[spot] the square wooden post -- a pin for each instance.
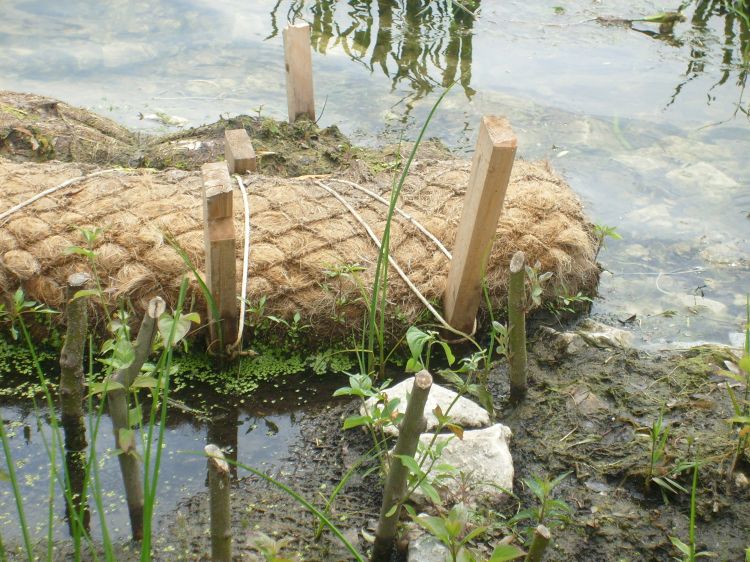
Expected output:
(221, 265)
(299, 77)
(483, 202)
(238, 151)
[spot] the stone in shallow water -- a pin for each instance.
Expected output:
(705, 176)
(484, 466)
(464, 412)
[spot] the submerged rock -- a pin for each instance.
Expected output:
(464, 412)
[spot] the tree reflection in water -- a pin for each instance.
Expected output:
(733, 18)
(425, 44)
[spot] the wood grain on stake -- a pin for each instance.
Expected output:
(220, 255)
(483, 202)
(239, 151)
(299, 80)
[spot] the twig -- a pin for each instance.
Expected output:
(5, 214)
(392, 261)
(245, 263)
(404, 214)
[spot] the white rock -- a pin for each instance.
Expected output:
(426, 548)
(464, 412)
(601, 335)
(483, 463)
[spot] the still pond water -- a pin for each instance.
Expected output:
(648, 125)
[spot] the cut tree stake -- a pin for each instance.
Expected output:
(239, 152)
(221, 265)
(117, 400)
(71, 401)
(221, 511)
(517, 327)
(539, 544)
(490, 172)
(412, 426)
(299, 77)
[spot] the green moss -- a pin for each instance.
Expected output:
(699, 362)
(245, 376)
(18, 376)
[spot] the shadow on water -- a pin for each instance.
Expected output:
(425, 45)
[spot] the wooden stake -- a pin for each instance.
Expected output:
(71, 401)
(299, 78)
(411, 428)
(539, 544)
(238, 151)
(119, 411)
(221, 509)
(490, 172)
(218, 227)
(517, 328)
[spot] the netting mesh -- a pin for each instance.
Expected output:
(304, 243)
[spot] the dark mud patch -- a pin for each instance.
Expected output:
(316, 464)
(590, 413)
(586, 413)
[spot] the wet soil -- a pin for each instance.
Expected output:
(587, 413)
(38, 128)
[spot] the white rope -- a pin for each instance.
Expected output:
(4, 215)
(245, 262)
(392, 261)
(404, 214)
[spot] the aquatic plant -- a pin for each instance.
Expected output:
(689, 550)
(740, 372)
(602, 232)
(454, 530)
(657, 472)
(549, 511)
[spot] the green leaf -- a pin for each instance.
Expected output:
(484, 397)
(410, 464)
(744, 363)
(413, 365)
(123, 354)
(505, 552)
(392, 511)
(416, 339)
(144, 381)
(435, 526)
(4, 476)
(356, 421)
(452, 378)
(86, 293)
(100, 387)
(448, 353)
(181, 326)
(474, 534)
(430, 491)
(681, 546)
(79, 251)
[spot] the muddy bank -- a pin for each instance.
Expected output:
(587, 413)
(38, 128)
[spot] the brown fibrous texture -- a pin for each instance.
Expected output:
(303, 240)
